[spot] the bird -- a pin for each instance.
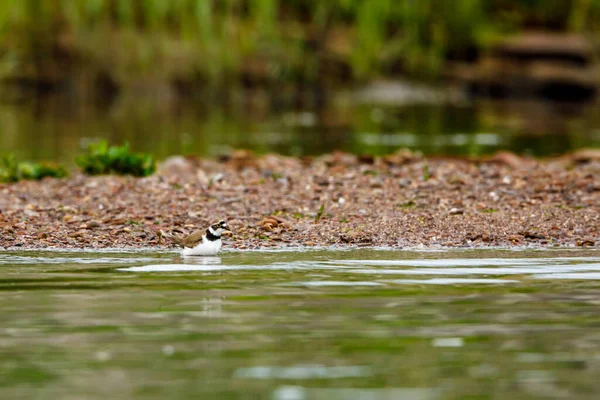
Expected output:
(200, 243)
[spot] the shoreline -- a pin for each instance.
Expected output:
(226, 249)
(399, 201)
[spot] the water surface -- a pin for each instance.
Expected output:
(356, 324)
(62, 129)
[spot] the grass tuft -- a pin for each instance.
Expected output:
(102, 159)
(12, 170)
(319, 213)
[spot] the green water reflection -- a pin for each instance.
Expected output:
(60, 129)
(299, 325)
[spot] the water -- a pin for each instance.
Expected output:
(61, 129)
(283, 325)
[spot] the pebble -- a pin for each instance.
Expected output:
(555, 203)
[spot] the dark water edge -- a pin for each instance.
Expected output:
(58, 127)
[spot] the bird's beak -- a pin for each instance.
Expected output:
(226, 228)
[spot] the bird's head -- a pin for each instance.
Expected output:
(220, 227)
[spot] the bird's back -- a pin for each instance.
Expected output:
(190, 240)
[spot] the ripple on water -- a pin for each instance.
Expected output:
(578, 275)
(10, 259)
(195, 267)
(333, 283)
(477, 271)
(467, 262)
(306, 393)
(214, 264)
(449, 281)
(539, 268)
(308, 371)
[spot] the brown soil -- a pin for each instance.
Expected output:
(401, 200)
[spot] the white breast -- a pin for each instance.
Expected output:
(206, 248)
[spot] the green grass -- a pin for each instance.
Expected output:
(426, 173)
(215, 43)
(408, 204)
(490, 210)
(103, 159)
(12, 170)
(319, 213)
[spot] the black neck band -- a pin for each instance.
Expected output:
(210, 236)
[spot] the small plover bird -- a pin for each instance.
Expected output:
(200, 243)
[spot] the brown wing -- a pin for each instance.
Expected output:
(192, 239)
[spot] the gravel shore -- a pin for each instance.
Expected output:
(400, 200)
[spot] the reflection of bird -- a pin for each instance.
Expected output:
(204, 263)
(200, 243)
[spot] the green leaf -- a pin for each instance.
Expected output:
(320, 213)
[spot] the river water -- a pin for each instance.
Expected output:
(291, 325)
(59, 129)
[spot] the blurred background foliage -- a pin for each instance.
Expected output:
(148, 43)
(206, 76)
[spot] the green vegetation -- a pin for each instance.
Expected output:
(99, 159)
(104, 159)
(319, 213)
(426, 174)
(215, 43)
(12, 170)
(489, 210)
(408, 204)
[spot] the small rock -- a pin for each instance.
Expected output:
(456, 211)
(516, 238)
(92, 224)
(585, 243)
(507, 158)
(176, 165)
(217, 178)
(268, 227)
(473, 236)
(31, 213)
(586, 155)
(532, 235)
(268, 224)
